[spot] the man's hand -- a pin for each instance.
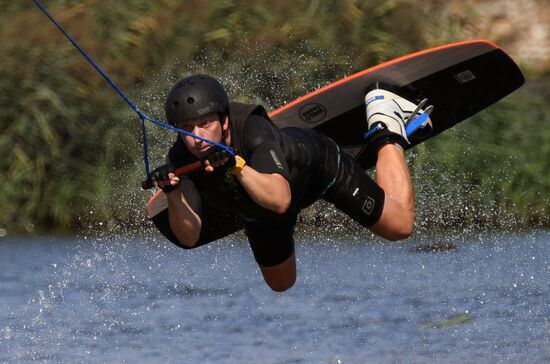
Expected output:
(165, 178)
(216, 157)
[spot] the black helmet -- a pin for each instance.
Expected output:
(195, 96)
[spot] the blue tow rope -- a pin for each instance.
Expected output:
(140, 114)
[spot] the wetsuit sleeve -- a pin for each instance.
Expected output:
(262, 143)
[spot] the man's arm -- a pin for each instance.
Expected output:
(265, 174)
(184, 221)
(271, 191)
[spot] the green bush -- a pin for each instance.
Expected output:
(72, 149)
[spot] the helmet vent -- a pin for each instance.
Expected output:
(190, 100)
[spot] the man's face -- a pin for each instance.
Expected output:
(208, 127)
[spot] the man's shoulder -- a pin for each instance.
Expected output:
(239, 111)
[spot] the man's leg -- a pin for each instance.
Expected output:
(282, 276)
(390, 114)
(392, 174)
(272, 243)
(387, 206)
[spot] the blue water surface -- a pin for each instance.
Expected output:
(143, 300)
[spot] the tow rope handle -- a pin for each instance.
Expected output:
(148, 183)
(226, 150)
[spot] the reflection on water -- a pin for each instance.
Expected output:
(142, 300)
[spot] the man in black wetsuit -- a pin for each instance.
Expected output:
(275, 174)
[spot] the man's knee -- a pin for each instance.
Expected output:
(395, 223)
(407, 227)
(185, 246)
(401, 233)
(281, 276)
(280, 286)
(402, 229)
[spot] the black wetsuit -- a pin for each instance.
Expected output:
(311, 162)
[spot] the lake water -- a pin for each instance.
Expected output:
(142, 300)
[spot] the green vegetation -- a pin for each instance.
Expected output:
(71, 152)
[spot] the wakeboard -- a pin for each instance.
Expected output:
(458, 79)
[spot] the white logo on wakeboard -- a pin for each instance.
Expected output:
(465, 76)
(312, 113)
